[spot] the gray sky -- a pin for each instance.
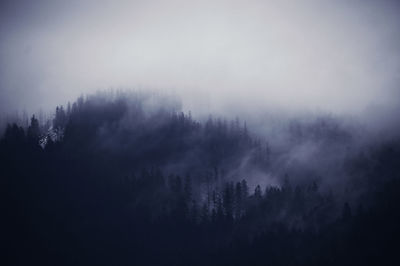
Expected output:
(342, 56)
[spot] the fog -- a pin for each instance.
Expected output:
(213, 132)
(219, 56)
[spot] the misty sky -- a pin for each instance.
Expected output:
(341, 56)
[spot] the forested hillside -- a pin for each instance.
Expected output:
(129, 179)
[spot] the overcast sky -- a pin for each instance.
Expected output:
(340, 56)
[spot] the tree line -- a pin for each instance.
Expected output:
(119, 181)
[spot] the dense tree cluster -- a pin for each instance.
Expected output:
(123, 180)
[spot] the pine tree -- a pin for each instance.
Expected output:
(258, 192)
(33, 133)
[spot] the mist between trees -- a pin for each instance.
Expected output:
(127, 177)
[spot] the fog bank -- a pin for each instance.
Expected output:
(219, 56)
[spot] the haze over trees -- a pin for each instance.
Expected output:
(127, 178)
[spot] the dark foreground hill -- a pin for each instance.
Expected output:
(130, 180)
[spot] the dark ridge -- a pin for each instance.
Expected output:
(129, 179)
